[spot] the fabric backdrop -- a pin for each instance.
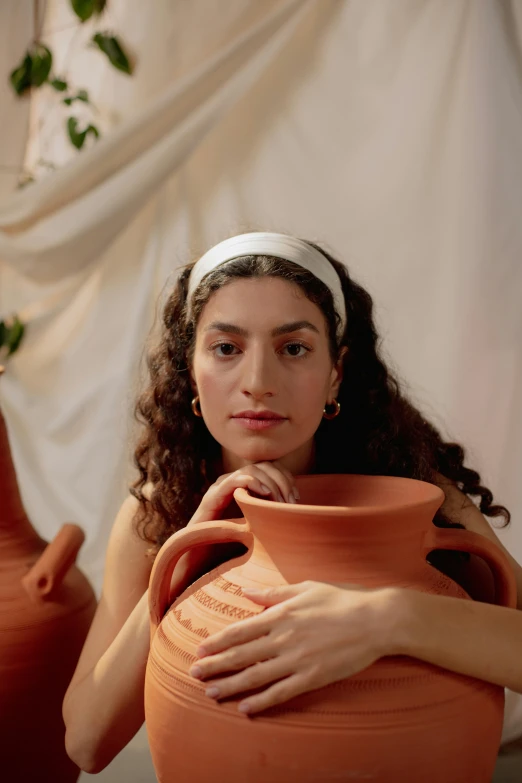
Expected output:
(389, 132)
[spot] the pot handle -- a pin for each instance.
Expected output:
(49, 571)
(476, 544)
(201, 534)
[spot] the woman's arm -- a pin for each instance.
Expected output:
(103, 706)
(468, 637)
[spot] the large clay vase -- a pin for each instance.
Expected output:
(46, 607)
(398, 721)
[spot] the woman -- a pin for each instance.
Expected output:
(268, 368)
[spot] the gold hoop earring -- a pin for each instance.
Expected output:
(332, 414)
(196, 407)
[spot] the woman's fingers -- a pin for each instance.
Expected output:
(263, 479)
(282, 691)
(240, 633)
(234, 659)
(267, 479)
(255, 676)
(220, 494)
(289, 476)
(283, 479)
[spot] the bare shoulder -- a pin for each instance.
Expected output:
(459, 507)
(128, 560)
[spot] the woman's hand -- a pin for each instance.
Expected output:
(310, 634)
(267, 479)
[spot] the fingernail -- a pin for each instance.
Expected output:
(195, 671)
(201, 652)
(280, 498)
(265, 489)
(212, 692)
(296, 493)
(292, 498)
(244, 707)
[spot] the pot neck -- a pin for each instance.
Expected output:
(12, 510)
(361, 548)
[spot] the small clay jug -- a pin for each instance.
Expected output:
(46, 608)
(398, 721)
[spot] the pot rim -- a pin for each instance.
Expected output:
(436, 495)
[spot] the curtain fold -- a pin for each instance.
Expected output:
(63, 222)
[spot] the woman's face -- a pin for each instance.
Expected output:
(262, 351)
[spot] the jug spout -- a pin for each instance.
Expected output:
(47, 574)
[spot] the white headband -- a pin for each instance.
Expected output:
(269, 244)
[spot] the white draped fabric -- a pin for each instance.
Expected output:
(391, 132)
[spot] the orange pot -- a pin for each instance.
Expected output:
(398, 721)
(46, 608)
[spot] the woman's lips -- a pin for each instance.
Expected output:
(258, 423)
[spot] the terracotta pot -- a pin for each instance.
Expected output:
(398, 721)
(46, 608)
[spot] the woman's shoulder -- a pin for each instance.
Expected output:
(127, 551)
(459, 507)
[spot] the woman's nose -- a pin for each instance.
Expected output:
(259, 374)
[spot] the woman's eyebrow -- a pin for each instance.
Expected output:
(294, 326)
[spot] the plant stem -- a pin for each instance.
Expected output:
(60, 29)
(38, 20)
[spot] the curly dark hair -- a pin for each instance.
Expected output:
(381, 431)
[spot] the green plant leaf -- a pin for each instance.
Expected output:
(20, 78)
(11, 334)
(81, 95)
(15, 333)
(34, 69)
(78, 137)
(84, 9)
(111, 46)
(42, 60)
(59, 85)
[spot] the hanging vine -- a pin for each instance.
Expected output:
(36, 66)
(36, 70)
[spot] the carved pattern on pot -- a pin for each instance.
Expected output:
(235, 612)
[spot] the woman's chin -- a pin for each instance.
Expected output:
(262, 456)
(250, 450)
(258, 453)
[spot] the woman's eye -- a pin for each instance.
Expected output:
(296, 349)
(224, 349)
